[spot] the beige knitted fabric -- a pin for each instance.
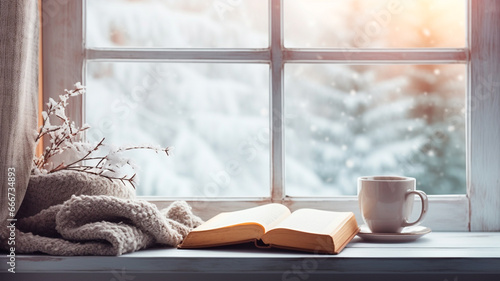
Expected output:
(53, 189)
(96, 224)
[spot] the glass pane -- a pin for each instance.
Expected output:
(346, 121)
(215, 116)
(374, 23)
(177, 23)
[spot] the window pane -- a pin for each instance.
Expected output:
(346, 121)
(177, 23)
(215, 116)
(374, 23)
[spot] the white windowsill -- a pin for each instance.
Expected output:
(439, 254)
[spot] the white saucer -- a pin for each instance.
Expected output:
(408, 234)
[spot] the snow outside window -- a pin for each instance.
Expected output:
(341, 119)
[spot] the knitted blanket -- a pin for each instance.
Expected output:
(74, 213)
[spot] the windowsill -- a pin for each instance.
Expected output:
(452, 254)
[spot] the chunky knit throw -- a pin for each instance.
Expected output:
(74, 213)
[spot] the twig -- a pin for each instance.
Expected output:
(65, 138)
(111, 178)
(62, 167)
(166, 150)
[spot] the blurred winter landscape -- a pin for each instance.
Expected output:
(341, 121)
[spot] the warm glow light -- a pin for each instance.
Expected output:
(375, 23)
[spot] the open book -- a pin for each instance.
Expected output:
(275, 226)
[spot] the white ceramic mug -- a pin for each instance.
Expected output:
(386, 202)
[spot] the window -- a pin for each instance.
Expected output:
(312, 113)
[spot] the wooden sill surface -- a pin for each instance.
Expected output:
(452, 253)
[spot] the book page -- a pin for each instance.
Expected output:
(267, 215)
(314, 221)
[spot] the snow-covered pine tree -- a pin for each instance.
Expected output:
(347, 121)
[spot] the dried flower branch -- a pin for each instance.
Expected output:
(65, 138)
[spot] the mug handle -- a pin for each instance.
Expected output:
(425, 206)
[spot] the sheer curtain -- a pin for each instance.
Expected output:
(19, 33)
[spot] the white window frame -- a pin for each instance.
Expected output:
(65, 55)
